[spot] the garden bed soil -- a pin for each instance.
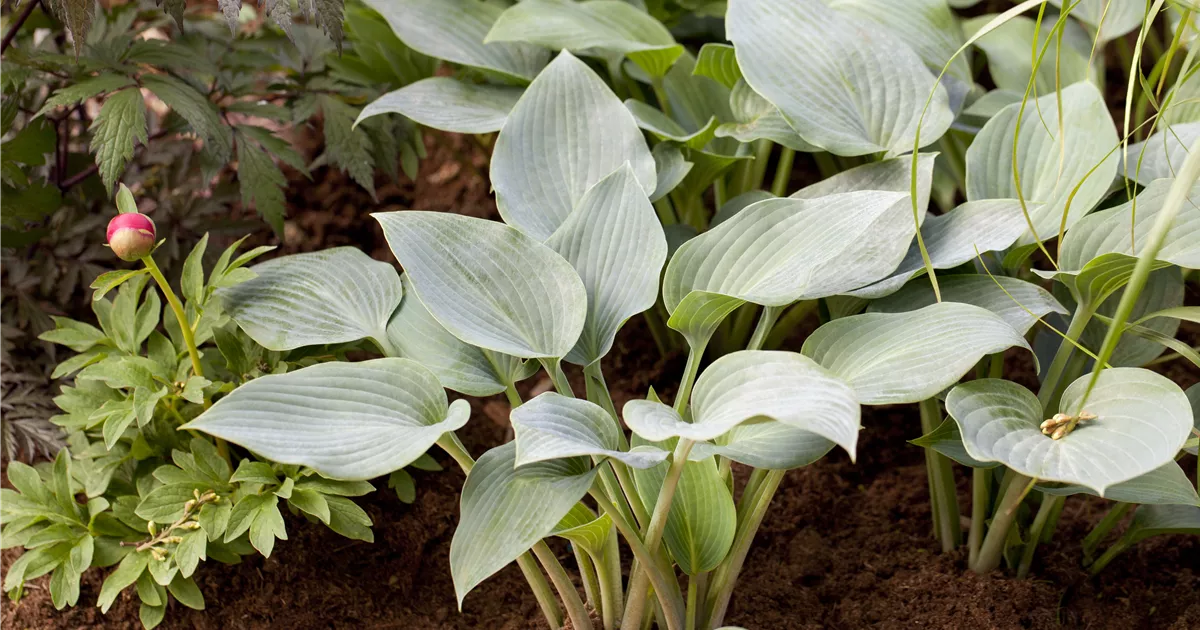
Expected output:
(845, 545)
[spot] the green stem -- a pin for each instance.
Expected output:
(1049, 504)
(660, 94)
(1052, 522)
(766, 321)
(1106, 525)
(663, 589)
(726, 574)
(783, 171)
(189, 337)
(658, 330)
(980, 498)
(792, 318)
(450, 443)
(762, 153)
(689, 379)
(576, 611)
(992, 551)
(541, 590)
(553, 368)
(514, 397)
(1052, 385)
(689, 622)
(608, 570)
(719, 197)
(739, 330)
(1113, 551)
(658, 522)
(587, 575)
(825, 164)
(944, 499)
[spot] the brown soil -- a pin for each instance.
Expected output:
(845, 545)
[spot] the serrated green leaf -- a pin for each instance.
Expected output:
(261, 184)
(121, 121)
(196, 109)
(91, 87)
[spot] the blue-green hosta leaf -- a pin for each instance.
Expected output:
(1163, 290)
(766, 444)
(926, 26)
(505, 510)
(1193, 394)
(489, 284)
(1049, 171)
(582, 527)
(719, 63)
(1165, 485)
(332, 296)
(417, 335)
(1184, 105)
(344, 420)
(947, 440)
(892, 175)
(696, 100)
(1156, 520)
(703, 518)
(1160, 155)
(553, 426)
(671, 167)
(1113, 18)
(956, 237)
(842, 83)
(604, 26)
(756, 384)
(1142, 421)
(1017, 302)
(737, 204)
(893, 358)
(567, 132)
(1009, 53)
(454, 30)
(616, 244)
(778, 251)
(664, 128)
(699, 314)
(756, 118)
(448, 104)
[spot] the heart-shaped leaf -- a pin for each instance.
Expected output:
(703, 519)
(1113, 18)
(616, 244)
(489, 284)
(552, 426)
(1161, 155)
(719, 63)
(417, 335)
(844, 84)
(448, 104)
(766, 444)
(567, 132)
(344, 420)
(956, 237)
(332, 296)
(454, 30)
(1163, 290)
(1017, 302)
(1165, 485)
(582, 527)
(754, 384)
(758, 119)
(607, 26)
(1049, 167)
(778, 251)
(505, 510)
(1142, 420)
(926, 26)
(893, 358)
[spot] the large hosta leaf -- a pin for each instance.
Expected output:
(767, 444)
(778, 251)
(454, 30)
(1142, 420)
(553, 426)
(1113, 18)
(1193, 394)
(1160, 155)
(1049, 167)
(616, 244)
(489, 284)
(756, 384)
(954, 238)
(417, 335)
(344, 420)
(1163, 290)
(1124, 229)
(907, 357)
(448, 104)
(1165, 485)
(842, 83)
(332, 296)
(506, 510)
(1010, 58)
(758, 119)
(703, 519)
(926, 26)
(1156, 520)
(607, 26)
(1018, 302)
(567, 132)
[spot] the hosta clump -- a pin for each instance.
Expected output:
(132, 494)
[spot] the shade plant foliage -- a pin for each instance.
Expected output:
(955, 232)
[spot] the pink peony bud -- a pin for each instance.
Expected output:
(131, 235)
